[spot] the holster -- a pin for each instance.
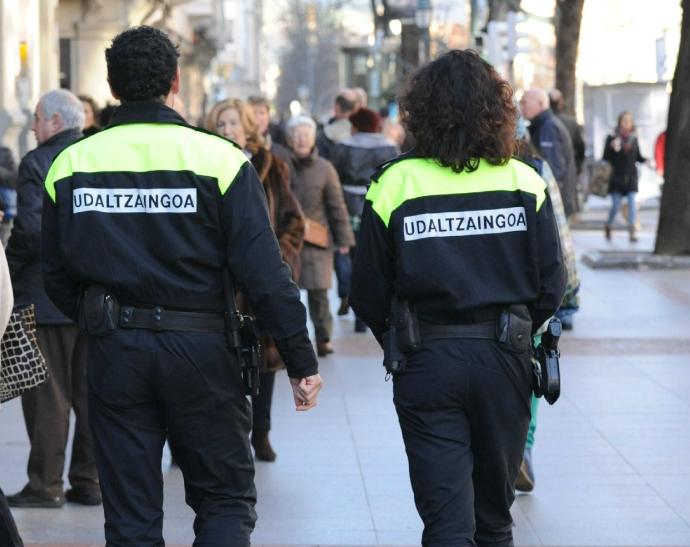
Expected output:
(514, 328)
(401, 337)
(545, 365)
(99, 311)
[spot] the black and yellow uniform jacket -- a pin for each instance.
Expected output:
(451, 243)
(155, 210)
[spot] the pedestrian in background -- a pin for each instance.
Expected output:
(9, 535)
(571, 301)
(338, 127)
(171, 212)
(8, 193)
(355, 159)
(234, 120)
(622, 151)
(552, 140)
(272, 133)
(317, 187)
(465, 237)
(557, 104)
(57, 124)
(92, 115)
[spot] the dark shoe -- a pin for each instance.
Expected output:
(360, 326)
(324, 348)
(83, 497)
(30, 499)
(525, 480)
(567, 324)
(344, 306)
(262, 447)
(607, 232)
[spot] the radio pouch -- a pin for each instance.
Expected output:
(99, 311)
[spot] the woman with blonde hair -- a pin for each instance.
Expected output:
(234, 120)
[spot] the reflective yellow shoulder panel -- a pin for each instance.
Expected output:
(149, 147)
(417, 177)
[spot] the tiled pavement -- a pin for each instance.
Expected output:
(612, 457)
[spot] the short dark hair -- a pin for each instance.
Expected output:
(259, 100)
(346, 105)
(141, 64)
(460, 110)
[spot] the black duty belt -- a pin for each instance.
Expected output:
(160, 319)
(480, 331)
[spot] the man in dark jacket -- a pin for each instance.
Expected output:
(551, 138)
(338, 127)
(58, 121)
(574, 130)
(356, 158)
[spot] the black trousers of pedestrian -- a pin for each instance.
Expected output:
(464, 410)
(47, 410)
(261, 404)
(9, 536)
(144, 385)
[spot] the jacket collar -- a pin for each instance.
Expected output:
(368, 140)
(145, 112)
(66, 136)
(541, 117)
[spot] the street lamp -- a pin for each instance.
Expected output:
(422, 18)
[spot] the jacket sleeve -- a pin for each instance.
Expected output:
(25, 241)
(373, 272)
(8, 169)
(553, 150)
(609, 152)
(336, 210)
(290, 223)
(255, 263)
(552, 272)
(638, 155)
(60, 286)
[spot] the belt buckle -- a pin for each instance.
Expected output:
(157, 322)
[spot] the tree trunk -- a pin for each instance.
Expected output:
(673, 235)
(568, 18)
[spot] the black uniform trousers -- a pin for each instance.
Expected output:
(144, 385)
(464, 410)
(47, 410)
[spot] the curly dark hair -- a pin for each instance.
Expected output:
(141, 64)
(459, 110)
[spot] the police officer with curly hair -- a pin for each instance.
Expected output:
(143, 222)
(458, 264)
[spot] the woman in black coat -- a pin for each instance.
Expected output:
(622, 151)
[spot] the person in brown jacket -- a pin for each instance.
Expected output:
(317, 187)
(235, 120)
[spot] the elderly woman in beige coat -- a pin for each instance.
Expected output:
(317, 187)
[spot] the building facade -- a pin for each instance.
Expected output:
(46, 44)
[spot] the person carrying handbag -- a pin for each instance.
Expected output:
(8, 529)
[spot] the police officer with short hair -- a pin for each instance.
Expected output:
(143, 222)
(459, 258)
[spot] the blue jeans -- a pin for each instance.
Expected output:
(616, 198)
(343, 273)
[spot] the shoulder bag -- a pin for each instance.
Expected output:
(22, 366)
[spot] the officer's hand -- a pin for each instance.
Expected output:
(305, 391)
